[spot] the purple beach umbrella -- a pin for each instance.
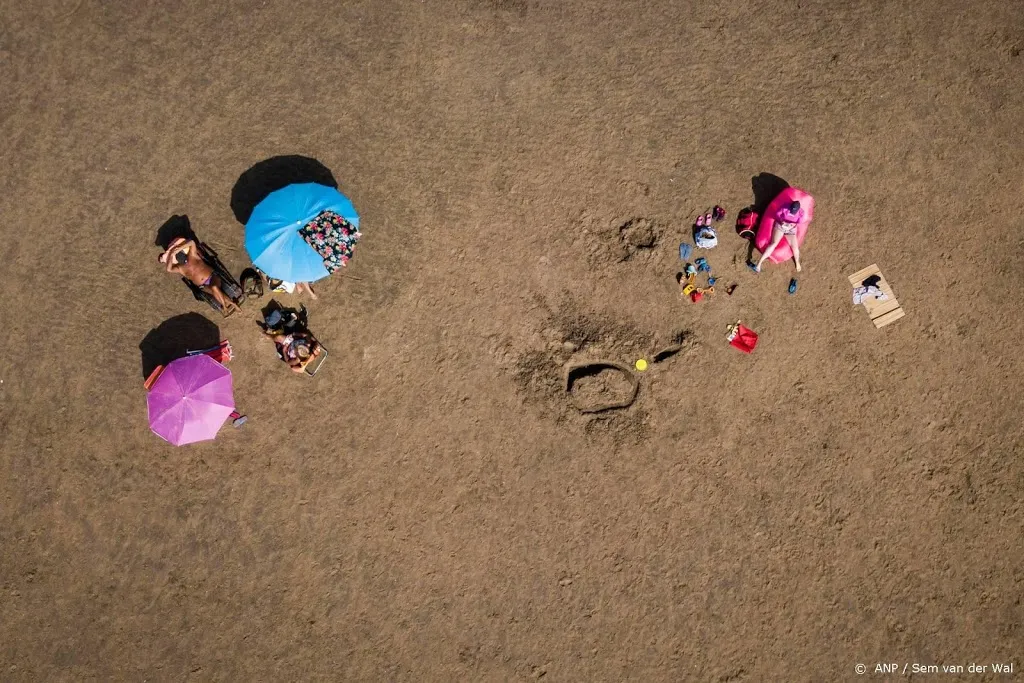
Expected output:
(190, 400)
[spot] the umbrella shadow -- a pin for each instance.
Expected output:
(174, 338)
(766, 187)
(175, 227)
(273, 174)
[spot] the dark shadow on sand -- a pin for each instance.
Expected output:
(766, 187)
(174, 338)
(273, 174)
(175, 227)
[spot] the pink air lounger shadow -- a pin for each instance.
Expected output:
(764, 231)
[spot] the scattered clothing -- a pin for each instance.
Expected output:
(860, 294)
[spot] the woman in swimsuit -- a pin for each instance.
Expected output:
(183, 258)
(786, 221)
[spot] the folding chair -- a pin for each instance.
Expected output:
(312, 366)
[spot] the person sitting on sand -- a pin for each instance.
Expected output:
(786, 221)
(295, 348)
(182, 258)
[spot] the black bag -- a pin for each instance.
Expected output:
(252, 283)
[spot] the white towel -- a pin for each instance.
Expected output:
(872, 292)
(285, 287)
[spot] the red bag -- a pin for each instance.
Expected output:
(746, 223)
(742, 338)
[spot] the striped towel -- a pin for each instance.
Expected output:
(221, 353)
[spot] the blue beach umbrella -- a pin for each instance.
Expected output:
(302, 232)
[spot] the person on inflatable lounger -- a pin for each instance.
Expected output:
(182, 258)
(786, 221)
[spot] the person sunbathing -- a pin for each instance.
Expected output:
(183, 258)
(295, 348)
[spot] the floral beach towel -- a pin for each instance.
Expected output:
(333, 237)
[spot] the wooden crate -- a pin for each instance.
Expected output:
(881, 312)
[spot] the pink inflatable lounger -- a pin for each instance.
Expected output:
(764, 230)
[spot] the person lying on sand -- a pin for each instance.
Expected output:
(296, 349)
(183, 258)
(786, 221)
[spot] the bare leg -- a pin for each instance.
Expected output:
(796, 250)
(776, 239)
(227, 306)
(308, 287)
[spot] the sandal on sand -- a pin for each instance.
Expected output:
(700, 222)
(753, 267)
(792, 286)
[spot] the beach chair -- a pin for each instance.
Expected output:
(221, 353)
(153, 377)
(231, 287)
(312, 366)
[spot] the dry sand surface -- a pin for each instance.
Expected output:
(430, 506)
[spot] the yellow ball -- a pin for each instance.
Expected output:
(641, 365)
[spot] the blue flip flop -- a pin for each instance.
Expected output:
(753, 267)
(792, 286)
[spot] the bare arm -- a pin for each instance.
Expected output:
(173, 252)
